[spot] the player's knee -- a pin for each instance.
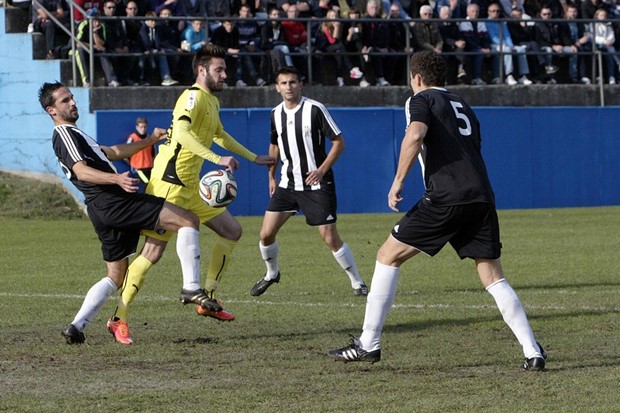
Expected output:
(153, 257)
(386, 257)
(331, 238)
(267, 237)
(191, 220)
(234, 233)
(334, 243)
(153, 250)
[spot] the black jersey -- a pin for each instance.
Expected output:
(71, 145)
(300, 135)
(452, 165)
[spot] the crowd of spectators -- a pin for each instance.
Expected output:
(366, 41)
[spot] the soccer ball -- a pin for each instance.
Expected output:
(218, 188)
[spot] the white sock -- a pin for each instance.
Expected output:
(95, 298)
(188, 251)
(270, 256)
(380, 300)
(514, 315)
(344, 256)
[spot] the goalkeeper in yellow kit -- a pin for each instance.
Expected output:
(175, 176)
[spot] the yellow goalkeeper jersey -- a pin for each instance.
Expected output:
(196, 125)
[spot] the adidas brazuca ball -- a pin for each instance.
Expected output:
(218, 188)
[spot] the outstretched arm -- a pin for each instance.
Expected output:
(125, 150)
(226, 141)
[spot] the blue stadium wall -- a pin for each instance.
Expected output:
(537, 157)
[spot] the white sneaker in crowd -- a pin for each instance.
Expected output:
(356, 73)
(168, 81)
(510, 80)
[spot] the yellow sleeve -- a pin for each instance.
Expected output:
(186, 137)
(226, 141)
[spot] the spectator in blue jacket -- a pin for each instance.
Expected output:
(194, 37)
(501, 42)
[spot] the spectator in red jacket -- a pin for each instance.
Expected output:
(141, 162)
(296, 37)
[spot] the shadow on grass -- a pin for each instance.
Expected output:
(519, 287)
(417, 325)
(432, 324)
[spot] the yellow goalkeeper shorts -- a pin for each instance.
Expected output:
(184, 197)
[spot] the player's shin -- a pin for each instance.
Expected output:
(344, 257)
(94, 300)
(188, 251)
(379, 302)
(514, 315)
(136, 274)
(269, 254)
(220, 259)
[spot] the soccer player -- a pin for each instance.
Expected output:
(175, 176)
(117, 212)
(458, 207)
(299, 128)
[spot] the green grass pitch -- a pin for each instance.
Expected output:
(445, 346)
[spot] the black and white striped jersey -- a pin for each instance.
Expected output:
(451, 159)
(300, 135)
(71, 146)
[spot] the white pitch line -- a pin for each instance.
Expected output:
(334, 304)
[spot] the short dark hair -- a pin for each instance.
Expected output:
(288, 70)
(205, 54)
(430, 66)
(46, 94)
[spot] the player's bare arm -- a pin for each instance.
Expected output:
(125, 150)
(265, 160)
(274, 152)
(409, 150)
(314, 177)
(87, 174)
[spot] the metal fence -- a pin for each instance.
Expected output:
(310, 50)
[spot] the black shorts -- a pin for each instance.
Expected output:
(118, 219)
(471, 229)
(319, 206)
